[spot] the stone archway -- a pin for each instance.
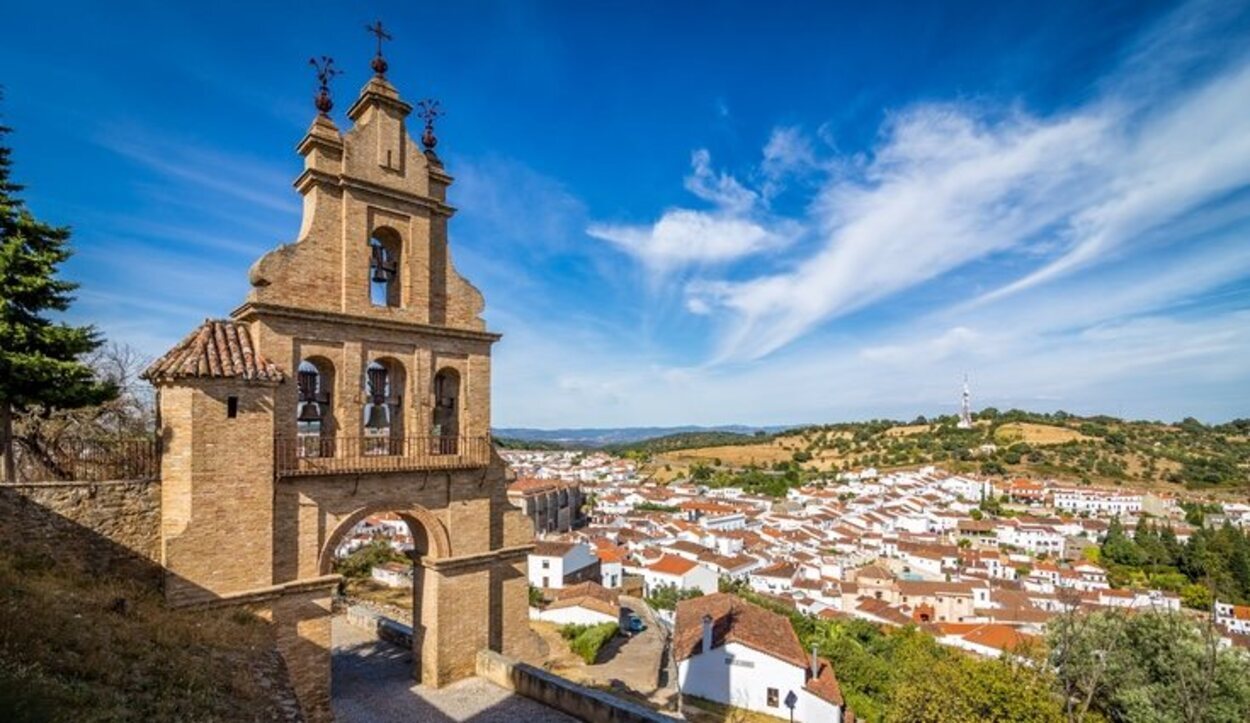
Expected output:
(420, 521)
(431, 543)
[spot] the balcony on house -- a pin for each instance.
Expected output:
(316, 455)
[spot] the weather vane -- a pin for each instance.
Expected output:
(430, 110)
(379, 63)
(325, 73)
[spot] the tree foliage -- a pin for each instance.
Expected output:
(1212, 559)
(360, 563)
(1151, 666)
(41, 360)
(666, 597)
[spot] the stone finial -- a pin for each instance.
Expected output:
(379, 63)
(325, 73)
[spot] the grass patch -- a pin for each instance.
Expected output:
(70, 651)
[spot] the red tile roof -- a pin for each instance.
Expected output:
(735, 620)
(672, 565)
(219, 348)
(825, 684)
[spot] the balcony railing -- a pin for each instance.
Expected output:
(313, 454)
(88, 460)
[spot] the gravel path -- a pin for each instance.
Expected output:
(373, 684)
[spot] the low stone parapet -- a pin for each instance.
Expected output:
(563, 695)
(385, 628)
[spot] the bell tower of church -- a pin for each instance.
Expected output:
(354, 380)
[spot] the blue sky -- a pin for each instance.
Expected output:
(703, 212)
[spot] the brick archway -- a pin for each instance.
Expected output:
(419, 520)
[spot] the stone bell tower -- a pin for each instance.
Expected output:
(355, 379)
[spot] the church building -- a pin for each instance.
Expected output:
(354, 379)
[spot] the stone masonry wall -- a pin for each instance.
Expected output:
(98, 526)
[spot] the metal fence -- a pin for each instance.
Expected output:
(315, 454)
(88, 460)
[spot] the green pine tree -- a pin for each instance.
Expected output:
(40, 359)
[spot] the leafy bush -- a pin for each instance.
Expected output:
(587, 640)
(667, 597)
(361, 562)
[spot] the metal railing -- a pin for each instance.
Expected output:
(88, 460)
(313, 454)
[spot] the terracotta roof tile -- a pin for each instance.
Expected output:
(218, 349)
(825, 684)
(672, 565)
(735, 620)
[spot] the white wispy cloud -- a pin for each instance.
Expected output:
(950, 184)
(735, 228)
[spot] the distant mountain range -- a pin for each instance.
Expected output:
(602, 437)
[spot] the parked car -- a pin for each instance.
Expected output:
(634, 624)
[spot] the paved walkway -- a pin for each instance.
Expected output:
(373, 684)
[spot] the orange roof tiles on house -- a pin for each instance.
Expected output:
(999, 637)
(218, 349)
(672, 565)
(735, 621)
(552, 548)
(533, 485)
(824, 684)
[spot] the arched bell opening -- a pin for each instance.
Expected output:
(383, 408)
(314, 416)
(385, 247)
(445, 428)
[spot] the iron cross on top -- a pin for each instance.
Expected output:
(379, 32)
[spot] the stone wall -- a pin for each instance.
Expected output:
(565, 696)
(98, 526)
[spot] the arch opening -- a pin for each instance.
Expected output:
(445, 425)
(385, 248)
(314, 414)
(383, 408)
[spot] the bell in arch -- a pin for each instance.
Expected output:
(309, 412)
(377, 417)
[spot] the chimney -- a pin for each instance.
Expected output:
(707, 634)
(815, 663)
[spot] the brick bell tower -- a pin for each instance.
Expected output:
(355, 379)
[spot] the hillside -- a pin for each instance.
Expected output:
(1095, 450)
(84, 647)
(582, 438)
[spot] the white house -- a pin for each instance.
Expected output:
(1091, 501)
(738, 654)
(556, 564)
(774, 579)
(678, 572)
(1233, 618)
(586, 603)
(392, 574)
(611, 566)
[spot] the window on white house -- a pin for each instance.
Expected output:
(773, 698)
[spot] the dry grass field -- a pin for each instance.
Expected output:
(672, 465)
(1036, 434)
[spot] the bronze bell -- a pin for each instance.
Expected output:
(378, 417)
(309, 412)
(383, 266)
(307, 379)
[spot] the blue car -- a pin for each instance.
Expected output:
(634, 624)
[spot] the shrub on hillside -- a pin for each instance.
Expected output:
(587, 640)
